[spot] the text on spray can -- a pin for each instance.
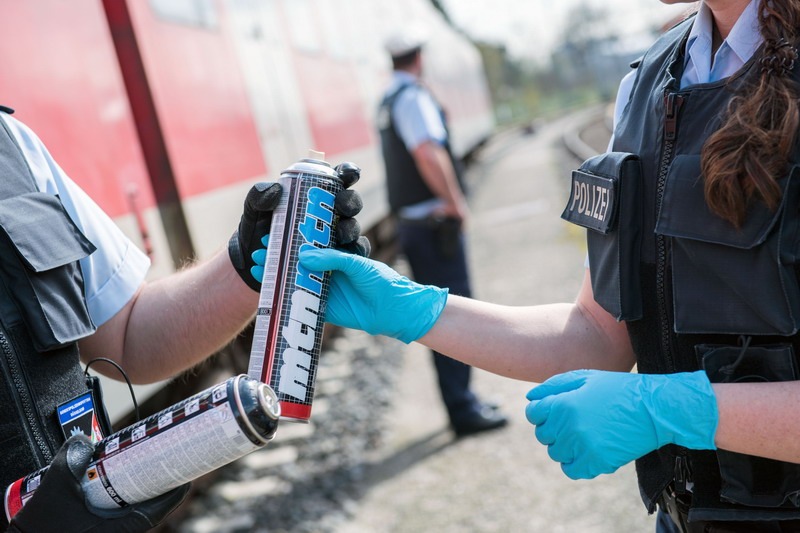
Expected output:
(287, 339)
(172, 447)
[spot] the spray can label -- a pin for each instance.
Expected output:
(171, 447)
(287, 339)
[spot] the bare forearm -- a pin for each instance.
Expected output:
(174, 323)
(527, 343)
(438, 173)
(759, 419)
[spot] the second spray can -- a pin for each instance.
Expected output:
(176, 445)
(287, 339)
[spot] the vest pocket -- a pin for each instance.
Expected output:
(746, 479)
(41, 247)
(605, 198)
(728, 280)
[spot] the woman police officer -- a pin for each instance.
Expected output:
(693, 245)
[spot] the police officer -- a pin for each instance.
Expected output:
(693, 278)
(426, 194)
(72, 285)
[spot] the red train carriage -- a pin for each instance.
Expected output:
(166, 111)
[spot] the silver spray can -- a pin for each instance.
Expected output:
(172, 447)
(287, 338)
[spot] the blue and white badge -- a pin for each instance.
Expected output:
(592, 202)
(78, 416)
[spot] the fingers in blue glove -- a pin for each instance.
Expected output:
(594, 422)
(259, 257)
(369, 295)
(321, 259)
(537, 413)
(559, 384)
(548, 430)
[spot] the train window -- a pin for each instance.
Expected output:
(202, 13)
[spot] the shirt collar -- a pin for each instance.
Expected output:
(743, 39)
(400, 78)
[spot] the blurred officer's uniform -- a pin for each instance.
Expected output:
(426, 195)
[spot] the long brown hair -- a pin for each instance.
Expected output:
(742, 159)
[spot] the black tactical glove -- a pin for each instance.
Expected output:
(347, 205)
(59, 505)
(257, 219)
(260, 202)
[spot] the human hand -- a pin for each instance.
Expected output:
(347, 205)
(368, 295)
(594, 422)
(260, 202)
(59, 504)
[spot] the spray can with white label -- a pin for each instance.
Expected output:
(172, 447)
(287, 337)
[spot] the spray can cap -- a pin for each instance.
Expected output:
(315, 163)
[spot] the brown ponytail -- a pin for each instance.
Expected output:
(742, 159)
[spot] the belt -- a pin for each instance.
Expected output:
(432, 221)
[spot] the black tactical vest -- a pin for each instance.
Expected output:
(42, 315)
(405, 185)
(695, 292)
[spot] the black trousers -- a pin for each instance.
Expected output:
(436, 253)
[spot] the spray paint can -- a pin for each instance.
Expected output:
(287, 337)
(172, 447)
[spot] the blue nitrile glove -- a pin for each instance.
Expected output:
(368, 295)
(260, 259)
(594, 422)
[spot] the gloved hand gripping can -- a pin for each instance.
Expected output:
(288, 329)
(172, 447)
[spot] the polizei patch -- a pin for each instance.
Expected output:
(592, 202)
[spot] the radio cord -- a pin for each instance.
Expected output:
(124, 375)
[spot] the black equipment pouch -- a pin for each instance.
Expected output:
(746, 479)
(727, 280)
(40, 248)
(605, 198)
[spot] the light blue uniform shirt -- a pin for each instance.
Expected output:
(417, 120)
(415, 113)
(736, 50)
(114, 272)
(740, 45)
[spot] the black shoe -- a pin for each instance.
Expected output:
(486, 419)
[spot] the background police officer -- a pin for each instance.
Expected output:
(426, 193)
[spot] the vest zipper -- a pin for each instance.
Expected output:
(24, 402)
(672, 106)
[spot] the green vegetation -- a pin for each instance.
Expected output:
(522, 93)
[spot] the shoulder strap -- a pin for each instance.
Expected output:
(16, 174)
(392, 98)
